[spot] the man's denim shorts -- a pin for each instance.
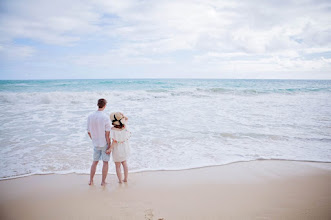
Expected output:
(100, 153)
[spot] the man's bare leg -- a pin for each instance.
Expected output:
(93, 169)
(104, 172)
(125, 167)
(118, 171)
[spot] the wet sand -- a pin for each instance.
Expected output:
(244, 190)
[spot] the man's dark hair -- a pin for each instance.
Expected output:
(102, 103)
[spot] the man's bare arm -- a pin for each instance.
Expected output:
(108, 139)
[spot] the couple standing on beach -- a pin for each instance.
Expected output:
(107, 139)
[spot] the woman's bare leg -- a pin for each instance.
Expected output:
(118, 171)
(126, 172)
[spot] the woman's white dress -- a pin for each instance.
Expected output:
(121, 150)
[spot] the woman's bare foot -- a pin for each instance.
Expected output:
(103, 183)
(120, 182)
(125, 180)
(91, 182)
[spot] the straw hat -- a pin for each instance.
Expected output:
(117, 118)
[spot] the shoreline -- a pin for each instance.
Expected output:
(246, 190)
(161, 170)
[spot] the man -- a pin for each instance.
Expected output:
(98, 128)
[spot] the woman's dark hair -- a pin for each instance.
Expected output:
(102, 103)
(119, 126)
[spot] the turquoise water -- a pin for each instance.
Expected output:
(217, 85)
(175, 123)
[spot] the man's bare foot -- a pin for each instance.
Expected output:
(103, 183)
(91, 182)
(120, 182)
(125, 180)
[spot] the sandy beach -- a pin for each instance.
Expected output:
(244, 190)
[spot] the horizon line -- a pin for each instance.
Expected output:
(34, 79)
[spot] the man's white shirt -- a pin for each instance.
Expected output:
(97, 124)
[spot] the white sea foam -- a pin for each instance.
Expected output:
(181, 128)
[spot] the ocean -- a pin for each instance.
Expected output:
(175, 123)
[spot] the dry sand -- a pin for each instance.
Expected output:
(243, 190)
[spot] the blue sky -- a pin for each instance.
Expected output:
(42, 39)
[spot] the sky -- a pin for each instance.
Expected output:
(82, 39)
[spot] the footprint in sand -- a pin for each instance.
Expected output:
(149, 214)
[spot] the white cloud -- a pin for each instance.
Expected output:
(124, 56)
(16, 52)
(240, 27)
(234, 36)
(51, 22)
